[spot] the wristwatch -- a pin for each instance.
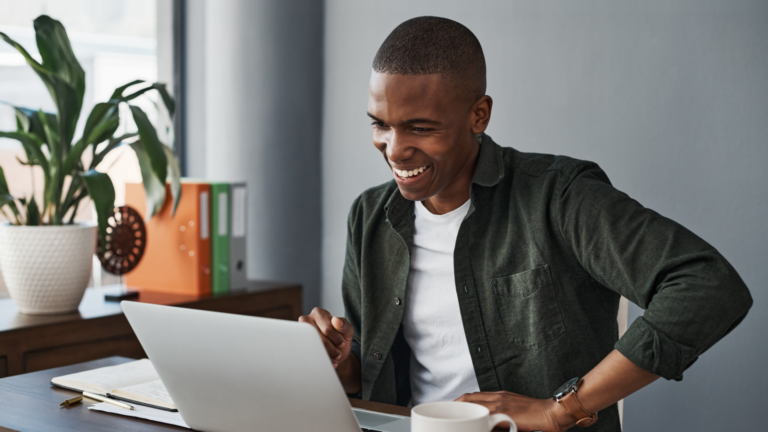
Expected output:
(566, 396)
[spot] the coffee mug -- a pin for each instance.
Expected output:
(455, 417)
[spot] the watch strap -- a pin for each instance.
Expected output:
(572, 405)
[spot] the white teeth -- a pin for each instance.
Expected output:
(409, 173)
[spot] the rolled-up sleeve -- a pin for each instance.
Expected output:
(691, 295)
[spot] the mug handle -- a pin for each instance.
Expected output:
(498, 418)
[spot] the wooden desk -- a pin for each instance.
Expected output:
(29, 403)
(99, 329)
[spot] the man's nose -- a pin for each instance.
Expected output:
(398, 149)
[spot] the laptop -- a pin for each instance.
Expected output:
(229, 372)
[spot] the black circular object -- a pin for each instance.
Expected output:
(126, 241)
(565, 389)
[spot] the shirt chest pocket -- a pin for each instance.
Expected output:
(528, 306)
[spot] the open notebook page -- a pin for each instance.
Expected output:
(153, 393)
(103, 380)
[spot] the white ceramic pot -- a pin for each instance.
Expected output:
(47, 268)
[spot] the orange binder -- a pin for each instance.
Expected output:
(177, 258)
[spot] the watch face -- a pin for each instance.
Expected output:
(565, 388)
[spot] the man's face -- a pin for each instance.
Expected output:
(424, 128)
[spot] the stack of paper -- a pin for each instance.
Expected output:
(173, 418)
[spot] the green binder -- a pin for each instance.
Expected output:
(220, 231)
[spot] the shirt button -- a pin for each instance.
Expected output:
(465, 288)
(397, 301)
(377, 355)
(479, 349)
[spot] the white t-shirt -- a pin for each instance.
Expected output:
(441, 366)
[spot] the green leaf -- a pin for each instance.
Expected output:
(30, 61)
(23, 122)
(114, 143)
(73, 156)
(33, 212)
(168, 101)
(6, 199)
(102, 192)
(174, 175)
(60, 61)
(154, 189)
(104, 130)
(35, 124)
(32, 147)
(28, 120)
(53, 188)
(118, 93)
(56, 51)
(151, 144)
(170, 104)
(51, 136)
(101, 123)
(66, 85)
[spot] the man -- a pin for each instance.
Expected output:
(491, 276)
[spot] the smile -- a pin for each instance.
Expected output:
(410, 173)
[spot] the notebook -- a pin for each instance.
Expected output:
(135, 382)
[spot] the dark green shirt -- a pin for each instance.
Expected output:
(541, 259)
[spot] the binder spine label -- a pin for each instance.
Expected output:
(223, 213)
(203, 215)
(238, 212)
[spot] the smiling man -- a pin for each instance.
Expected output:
(492, 276)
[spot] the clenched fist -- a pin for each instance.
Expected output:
(336, 334)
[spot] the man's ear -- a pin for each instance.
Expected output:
(480, 114)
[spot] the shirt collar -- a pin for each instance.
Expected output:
(489, 169)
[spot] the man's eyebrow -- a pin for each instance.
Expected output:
(420, 120)
(409, 121)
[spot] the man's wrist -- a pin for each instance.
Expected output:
(560, 415)
(349, 374)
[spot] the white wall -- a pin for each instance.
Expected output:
(254, 90)
(669, 97)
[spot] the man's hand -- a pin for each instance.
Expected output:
(336, 333)
(529, 414)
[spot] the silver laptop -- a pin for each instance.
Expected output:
(230, 372)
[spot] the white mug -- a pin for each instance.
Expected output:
(455, 417)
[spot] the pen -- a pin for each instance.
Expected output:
(107, 400)
(71, 401)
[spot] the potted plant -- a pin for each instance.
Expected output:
(45, 255)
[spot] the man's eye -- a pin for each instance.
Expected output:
(418, 129)
(378, 124)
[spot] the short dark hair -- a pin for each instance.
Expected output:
(429, 45)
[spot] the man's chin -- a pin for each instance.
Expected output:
(413, 195)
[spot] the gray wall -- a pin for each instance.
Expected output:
(669, 97)
(255, 89)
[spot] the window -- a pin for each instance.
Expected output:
(115, 42)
